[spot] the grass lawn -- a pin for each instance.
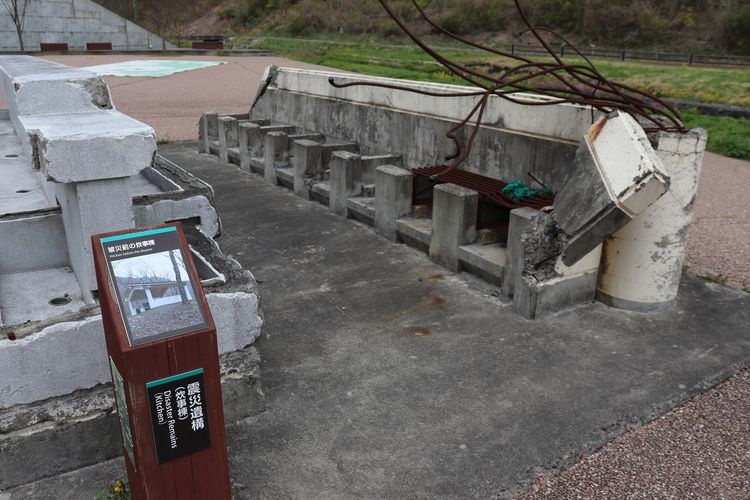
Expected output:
(727, 136)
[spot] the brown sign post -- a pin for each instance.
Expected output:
(161, 341)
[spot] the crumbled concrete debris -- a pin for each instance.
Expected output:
(542, 243)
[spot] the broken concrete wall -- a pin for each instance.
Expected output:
(603, 170)
(515, 141)
(82, 149)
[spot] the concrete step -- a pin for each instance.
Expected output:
(362, 209)
(285, 176)
(38, 295)
(321, 192)
(486, 261)
(415, 232)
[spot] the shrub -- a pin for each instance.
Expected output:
(737, 30)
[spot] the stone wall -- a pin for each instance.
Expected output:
(75, 22)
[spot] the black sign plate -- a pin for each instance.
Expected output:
(179, 415)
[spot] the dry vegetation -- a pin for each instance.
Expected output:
(678, 24)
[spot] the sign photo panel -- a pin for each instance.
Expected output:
(155, 292)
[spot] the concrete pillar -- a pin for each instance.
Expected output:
(454, 223)
(207, 127)
(306, 158)
(346, 180)
(255, 139)
(91, 208)
(228, 136)
(275, 155)
(642, 262)
(392, 199)
(520, 218)
(244, 132)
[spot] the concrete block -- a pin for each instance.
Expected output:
(393, 187)
(306, 161)
(207, 130)
(454, 220)
(276, 155)
(534, 299)
(228, 136)
(346, 180)
(244, 133)
(47, 364)
(254, 138)
(520, 218)
(362, 210)
(92, 208)
(36, 86)
(163, 211)
(485, 261)
(616, 175)
(26, 233)
(84, 427)
(82, 147)
(415, 232)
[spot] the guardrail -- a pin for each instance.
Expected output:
(636, 55)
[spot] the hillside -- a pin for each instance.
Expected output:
(676, 25)
(682, 25)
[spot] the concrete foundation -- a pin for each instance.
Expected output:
(603, 170)
(88, 169)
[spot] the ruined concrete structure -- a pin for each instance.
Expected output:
(80, 24)
(73, 166)
(616, 231)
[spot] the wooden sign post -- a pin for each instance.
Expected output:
(161, 341)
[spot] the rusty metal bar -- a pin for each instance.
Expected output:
(576, 83)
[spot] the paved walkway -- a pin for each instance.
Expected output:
(361, 406)
(389, 377)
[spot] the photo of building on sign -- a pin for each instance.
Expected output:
(155, 291)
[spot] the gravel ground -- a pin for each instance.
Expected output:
(700, 450)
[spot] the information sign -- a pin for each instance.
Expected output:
(179, 415)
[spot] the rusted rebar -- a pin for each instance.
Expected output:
(579, 84)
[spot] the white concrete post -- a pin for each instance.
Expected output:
(244, 132)
(306, 158)
(227, 124)
(276, 155)
(454, 222)
(642, 262)
(392, 199)
(207, 129)
(346, 180)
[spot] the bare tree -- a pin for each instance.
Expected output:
(16, 9)
(178, 275)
